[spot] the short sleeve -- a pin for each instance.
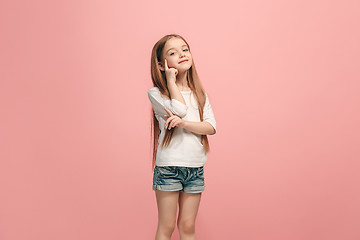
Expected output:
(208, 115)
(158, 103)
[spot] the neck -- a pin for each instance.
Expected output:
(181, 80)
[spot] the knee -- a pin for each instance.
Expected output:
(168, 228)
(186, 226)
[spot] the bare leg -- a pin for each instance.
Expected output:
(167, 207)
(188, 209)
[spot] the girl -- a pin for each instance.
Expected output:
(182, 118)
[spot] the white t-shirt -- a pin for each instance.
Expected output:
(185, 148)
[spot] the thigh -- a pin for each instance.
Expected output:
(167, 206)
(188, 207)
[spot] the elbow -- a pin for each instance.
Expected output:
(213, 132)
(179, 108)
(213, 126)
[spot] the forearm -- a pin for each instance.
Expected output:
(202, 128)
(175, 92)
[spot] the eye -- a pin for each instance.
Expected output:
(183, 50)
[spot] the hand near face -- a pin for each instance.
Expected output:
(171, 73)
(173, 120)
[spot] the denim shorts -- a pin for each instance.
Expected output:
(175, 178)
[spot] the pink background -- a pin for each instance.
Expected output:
(283, 81)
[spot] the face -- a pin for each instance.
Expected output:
(176, 51)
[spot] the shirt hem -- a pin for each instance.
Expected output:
(180, 164)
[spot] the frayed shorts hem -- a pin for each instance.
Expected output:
(195, 189)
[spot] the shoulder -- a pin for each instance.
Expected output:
(206, 96)
(154, 90)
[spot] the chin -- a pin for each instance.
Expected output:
(183, 69)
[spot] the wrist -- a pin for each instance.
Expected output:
(184, 124)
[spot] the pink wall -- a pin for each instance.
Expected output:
(75, 153)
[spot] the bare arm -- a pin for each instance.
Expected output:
(205, 127)
(202, 128)
(175, 92)
(171, 83)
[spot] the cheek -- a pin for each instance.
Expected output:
(172, 62)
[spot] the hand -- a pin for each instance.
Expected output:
(170, 73)
(173, 120)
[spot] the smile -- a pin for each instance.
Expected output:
(183, 61)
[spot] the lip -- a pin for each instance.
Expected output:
(183, 61)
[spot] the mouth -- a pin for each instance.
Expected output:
(183, 61)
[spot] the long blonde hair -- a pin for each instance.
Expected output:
(159, 81)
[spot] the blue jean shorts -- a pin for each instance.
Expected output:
(176, 178)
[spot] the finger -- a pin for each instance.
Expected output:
(166, 66)
(174, 123)
(168, 111)
(173, 120)
(177, 122)
(169, 120)
(166, 125)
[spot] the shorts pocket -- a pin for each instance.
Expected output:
(200, 172)
(168, 171)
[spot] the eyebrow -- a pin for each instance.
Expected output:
(173, 48)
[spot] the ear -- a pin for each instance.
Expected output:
(162, 68)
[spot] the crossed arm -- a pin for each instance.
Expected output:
(173, 110)
(202, 128)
